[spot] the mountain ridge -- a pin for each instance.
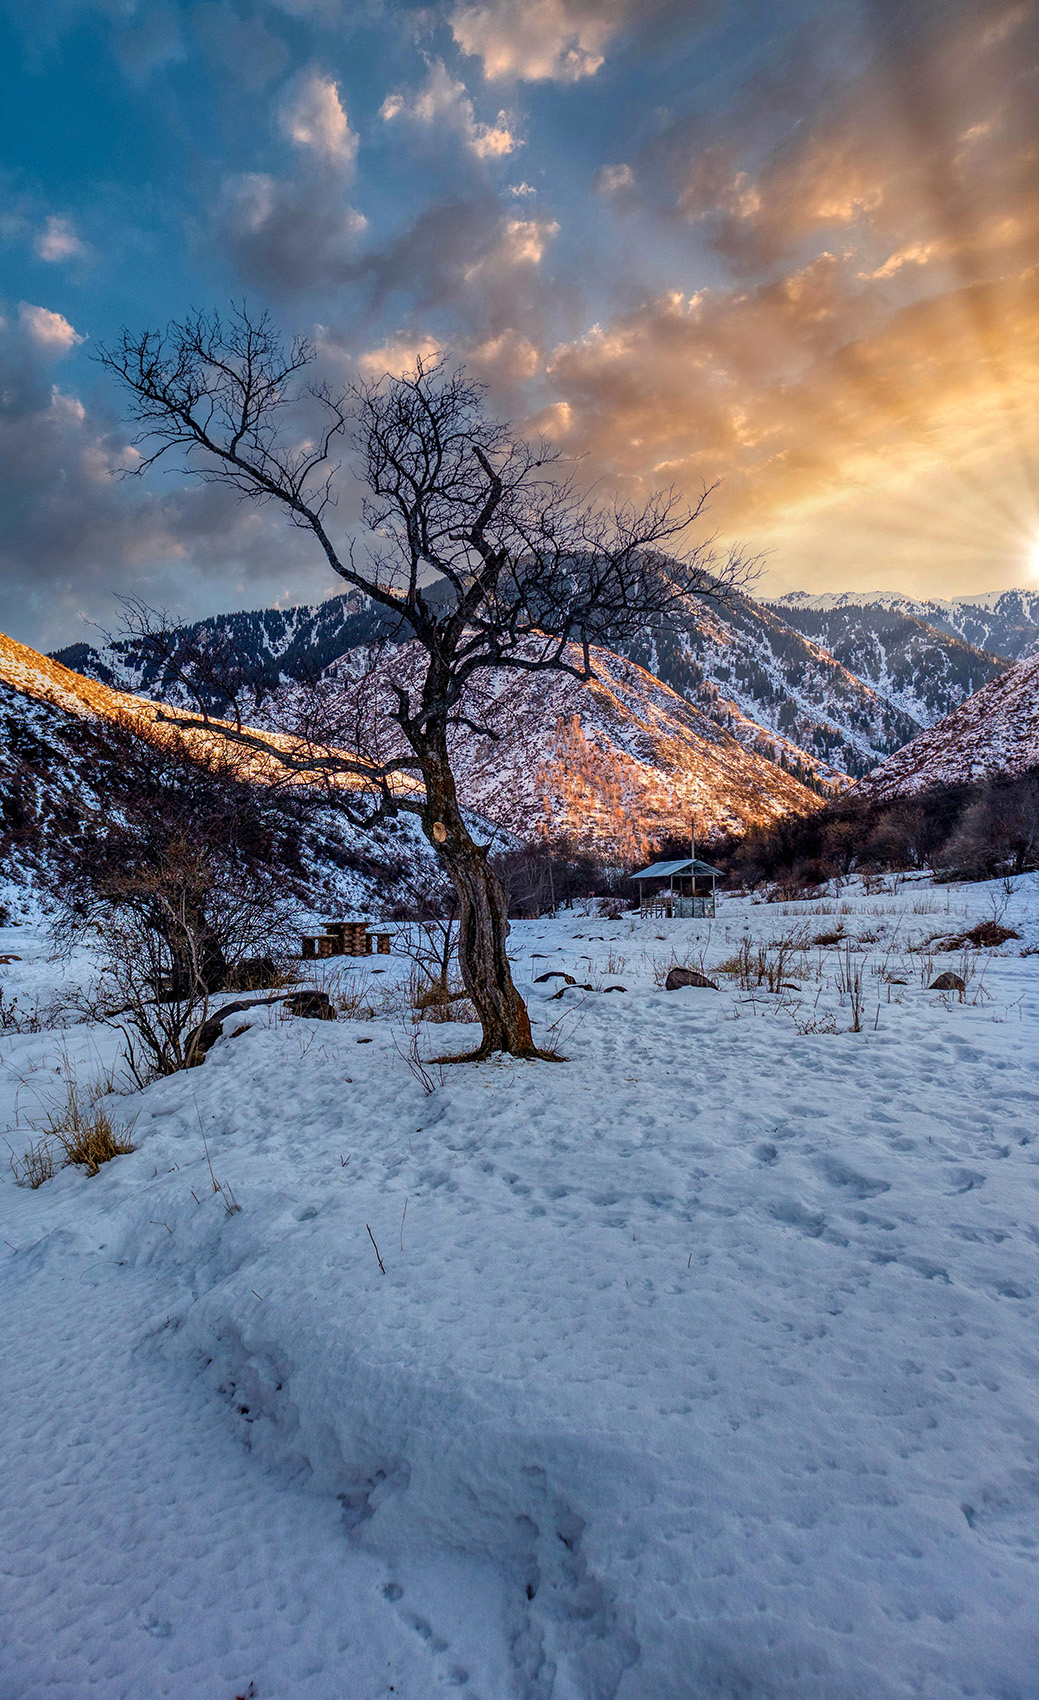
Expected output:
(1003, 623)
(994, 733)
(773, 686)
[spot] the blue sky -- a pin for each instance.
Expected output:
(788, 247)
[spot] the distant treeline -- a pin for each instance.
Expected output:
(962, 831)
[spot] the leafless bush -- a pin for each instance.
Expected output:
(851, 985)
(834, 936)
(184, 887)
(825, 1023)
(998, 832)
(771, 964)
(354, 999)
(429, 1074)
(15, 1018)
(740, 967)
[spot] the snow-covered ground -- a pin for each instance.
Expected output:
(703, 1364)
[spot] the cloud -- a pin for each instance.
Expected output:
(73, 533)
(444, 103)
(312, 116)
(243, 46)
(823, 415)
(539, 40)
(875, 206)
(397, 356)
(150, 37)
(465, 260)
(923, 148)
(520, 242)
(50, 331)
(289, 234)
(506, 360)
(615, 180)
(58, 241)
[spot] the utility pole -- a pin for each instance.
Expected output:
(692, 860)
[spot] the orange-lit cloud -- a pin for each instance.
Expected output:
(865, 384)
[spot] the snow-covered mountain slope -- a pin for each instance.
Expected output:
(269, 647)
(622, 762)
(63, 742)
(739, 661)
(751, 671)
(909, 662)
(1002, 623)
(612, 766)
(996, 731)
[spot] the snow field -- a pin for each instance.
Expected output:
(703, 1364)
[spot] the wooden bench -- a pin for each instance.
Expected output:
(344, 938)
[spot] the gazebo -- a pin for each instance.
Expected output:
(669, 888)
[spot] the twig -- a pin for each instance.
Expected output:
(403, 1213)
(371, 1236)
(202, 1131)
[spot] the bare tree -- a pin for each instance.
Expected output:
(479, 547)
(999, 831)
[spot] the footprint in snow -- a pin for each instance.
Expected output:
(857, 1186)
(795, 1215)
(453, 1676)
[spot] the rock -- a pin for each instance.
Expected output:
(948, 982)
(312, 1006)
(679, 977)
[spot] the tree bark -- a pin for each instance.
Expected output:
(482, 917)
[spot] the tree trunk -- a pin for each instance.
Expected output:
(482, 917)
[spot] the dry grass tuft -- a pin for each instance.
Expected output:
(834, 936)
(34, 1166)
(84, 1132)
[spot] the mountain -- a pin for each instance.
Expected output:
(742, 663)
(1000, 623)
(996, 731)
(757, 676)
(63, 759)
(906, 659)
(613, 766)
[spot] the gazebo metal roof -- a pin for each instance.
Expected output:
(675, 870)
